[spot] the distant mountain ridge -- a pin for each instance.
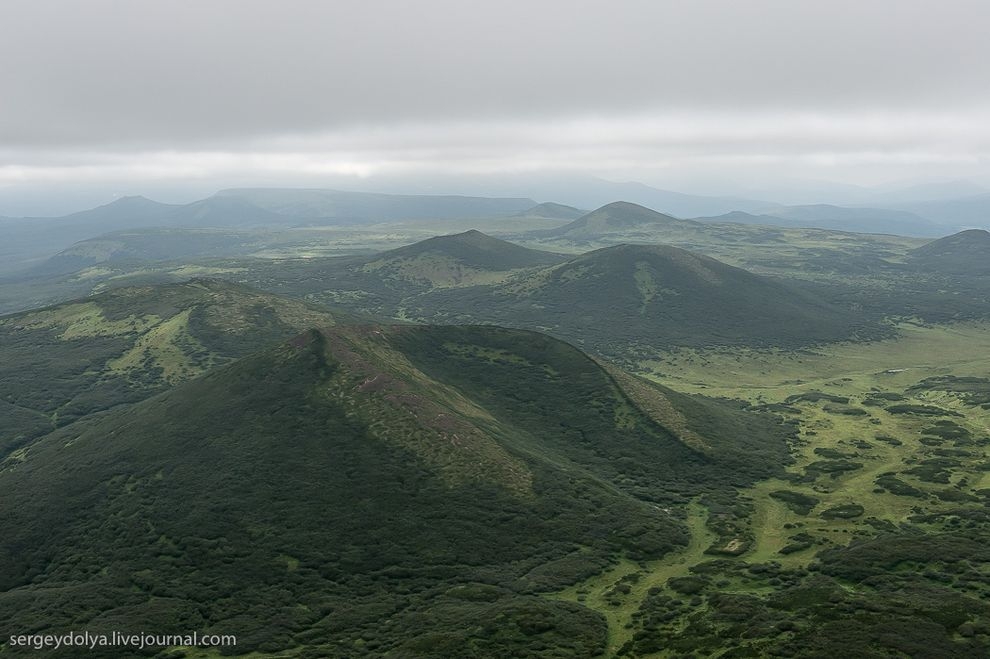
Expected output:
(27, 241)
(836, 218)
(968, 211)
(857, 219)
(313, 204)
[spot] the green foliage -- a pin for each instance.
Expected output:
(921, 410)
(802, 504)
(262, 500)
(896, 486)
(59, 364)
(833, 467)
(972, 390)
(815, 397)
(913, 596)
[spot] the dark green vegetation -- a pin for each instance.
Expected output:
(802, 504)
(972, 390)
(622, 301)
(61, 363)
(435, 477)
(895, 595)
(921, 410)
(630, 299)
(964, 253)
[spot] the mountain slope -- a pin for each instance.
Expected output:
(29, 240)
(66, 361)
(303, 496)
(553, 211)
(454, 259)
(963, 253)
(630, 298)
(220, 211)
(619, 216)
(383, 283)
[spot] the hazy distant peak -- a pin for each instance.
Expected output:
(616, 217)
(132, 201)
(554, 210)
(627, 207)
(477, 250)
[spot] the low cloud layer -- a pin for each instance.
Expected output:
(144, 90)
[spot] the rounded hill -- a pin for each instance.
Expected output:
(656, 296)
(616, 217)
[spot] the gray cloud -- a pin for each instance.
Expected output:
(191, 89)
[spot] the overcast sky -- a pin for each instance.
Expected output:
(666, 92)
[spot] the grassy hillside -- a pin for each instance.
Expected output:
(384, 284)
(63, 362)
(363, 491)
(459, 259)
(963, 253)
(627, 298)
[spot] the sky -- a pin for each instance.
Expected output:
(701, 95)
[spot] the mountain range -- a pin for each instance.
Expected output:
(29, 240)
(443, 449)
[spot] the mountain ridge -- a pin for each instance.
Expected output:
(363, 471)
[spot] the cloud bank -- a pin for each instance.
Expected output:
(140, 90)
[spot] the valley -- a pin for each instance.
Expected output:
(879, 470)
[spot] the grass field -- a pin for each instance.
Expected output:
(874, 451)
